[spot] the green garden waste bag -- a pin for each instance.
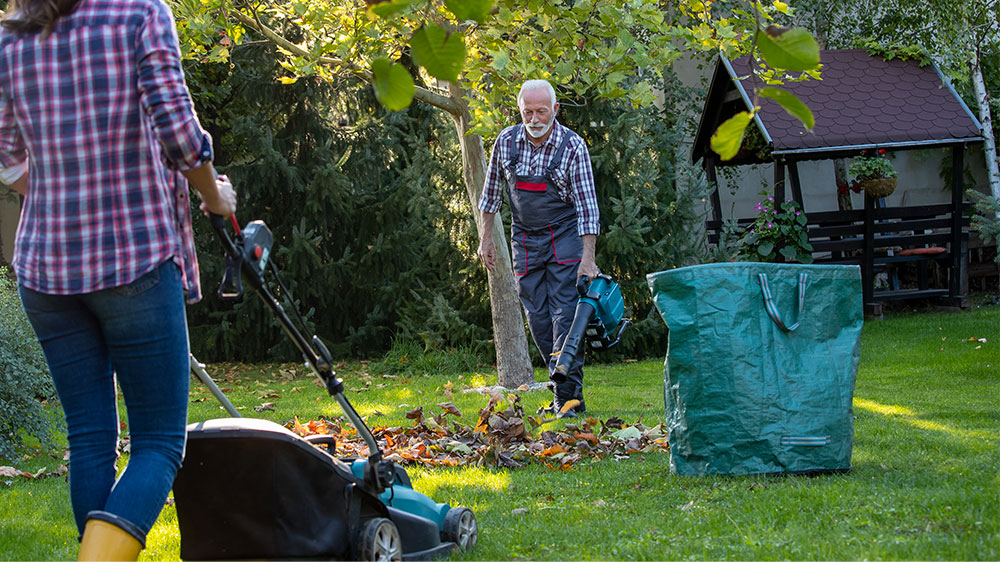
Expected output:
(760, 368)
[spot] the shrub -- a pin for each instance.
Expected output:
(778, 233)
(25, 385)
(985, 216)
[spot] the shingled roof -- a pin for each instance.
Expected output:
(862, 102)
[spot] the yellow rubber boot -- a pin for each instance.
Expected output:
(105, 541)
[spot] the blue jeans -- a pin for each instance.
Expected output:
(139, 332)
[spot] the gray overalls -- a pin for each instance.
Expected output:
(546, 250)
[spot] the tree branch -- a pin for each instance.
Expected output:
(421, 94)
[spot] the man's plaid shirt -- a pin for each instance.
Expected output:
(573, 176)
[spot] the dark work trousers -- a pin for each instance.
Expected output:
(546, 250)
(545, 264)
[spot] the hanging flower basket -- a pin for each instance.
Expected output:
(878, 187)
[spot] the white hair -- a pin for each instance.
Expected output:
(532, 85)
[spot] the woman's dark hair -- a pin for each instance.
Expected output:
(29, 16)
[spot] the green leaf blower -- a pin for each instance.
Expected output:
(598, 320)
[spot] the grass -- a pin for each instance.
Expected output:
(925, 482)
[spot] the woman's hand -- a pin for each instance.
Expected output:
(224, 202)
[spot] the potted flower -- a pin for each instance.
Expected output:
(778, 233)
(874, 174)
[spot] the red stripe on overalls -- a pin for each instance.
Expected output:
(529, 186)
(552, 236)
(524, 238)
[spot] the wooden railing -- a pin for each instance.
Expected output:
(881, 239)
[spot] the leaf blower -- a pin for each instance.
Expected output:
(598, 320)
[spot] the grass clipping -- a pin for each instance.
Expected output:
(500, 438)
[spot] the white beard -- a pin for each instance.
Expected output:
(535, 132)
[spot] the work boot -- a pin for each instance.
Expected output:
(555, 408)
(104, 540)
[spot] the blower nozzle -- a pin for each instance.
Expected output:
(599, 314)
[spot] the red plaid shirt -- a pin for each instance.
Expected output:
(103, 111)
(573, 176)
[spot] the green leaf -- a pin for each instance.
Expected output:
(789, 252)
(500, 60)
(791, 104)
(477, 10)
(387, 9)
(440, 52)
(765, 248)
(393, 85)
(631, 432)
(728, 137)
(788, 48)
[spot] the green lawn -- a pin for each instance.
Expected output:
(925, 482)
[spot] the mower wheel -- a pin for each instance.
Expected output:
(460, 527)
(378, 541)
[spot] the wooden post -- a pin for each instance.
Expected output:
(779, 180)
(793, 173)
(868, 259)
(958, 249)
(713, 180)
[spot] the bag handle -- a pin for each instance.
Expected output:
(772, 310)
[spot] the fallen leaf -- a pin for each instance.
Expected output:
(627, 433)
(569, 405)
(519, 511)
(450, 408)
(265, 407)
(614, 423)
(299, 429)
(416, 414)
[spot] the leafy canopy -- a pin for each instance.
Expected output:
(588, 48)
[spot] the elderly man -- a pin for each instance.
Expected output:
(545, 170)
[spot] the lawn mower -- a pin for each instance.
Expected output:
(251, 488)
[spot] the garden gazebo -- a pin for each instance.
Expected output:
(862, 103)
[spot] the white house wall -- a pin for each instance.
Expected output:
(920, 180)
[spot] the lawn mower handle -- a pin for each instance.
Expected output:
(381, 474)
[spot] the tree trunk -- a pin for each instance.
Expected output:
(840, 178)
(513, 360)
(990, 144)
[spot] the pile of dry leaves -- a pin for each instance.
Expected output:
(502, 436)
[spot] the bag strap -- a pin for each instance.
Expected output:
(772, 310)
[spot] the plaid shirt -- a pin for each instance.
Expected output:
(574, 176)
(102, 108)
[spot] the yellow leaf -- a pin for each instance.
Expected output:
(728, 137)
